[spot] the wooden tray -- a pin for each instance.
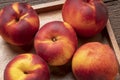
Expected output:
(51, 12)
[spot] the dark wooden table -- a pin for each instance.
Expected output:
(32, 2)
(114, 16)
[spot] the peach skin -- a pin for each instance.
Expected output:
(87, 17)
(56, 42)
(94, 61)
(27, 66)
(18, 23)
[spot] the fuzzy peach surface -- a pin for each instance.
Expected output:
(87, 17)
(27, 67)
(94, 61)
(56, 42)
(18, 23)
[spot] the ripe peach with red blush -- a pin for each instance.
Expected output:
(94, 61)
(18, 23)
(88, 17)
(56, 42)
(27, 66)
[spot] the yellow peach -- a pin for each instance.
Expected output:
(94, 61)
(27, 66)
(56, 42)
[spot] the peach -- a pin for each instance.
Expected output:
(95, 61)
(88, 17)
(18, 23)
(56, 42)
(27, 67)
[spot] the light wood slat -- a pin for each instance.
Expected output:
(113, 41)
(40, 6)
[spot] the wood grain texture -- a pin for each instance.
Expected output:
(32, 2)
(55, 5)
(113, 25)
(114, 16)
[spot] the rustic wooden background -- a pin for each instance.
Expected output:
(114, 16)
(32, 2)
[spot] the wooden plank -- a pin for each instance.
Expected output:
(114, 16)
(113, 41)
(110, 2)
(32, 2)
(113, 25)
(52, 6)
(46, 5)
